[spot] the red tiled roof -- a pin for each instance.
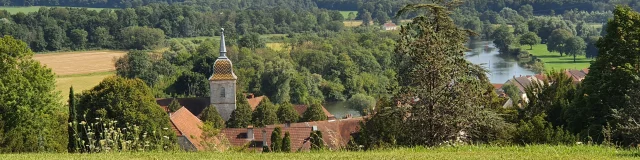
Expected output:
(254, 102)
(301, 108)
(238, 137)
(335, 133)
(189, 126)
(194, 105)
(389, 24)
(497, 86)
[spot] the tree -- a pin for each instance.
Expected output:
(389, 115)
(444, 91)
(174, 105)
(539, 131)
(137, 64)
(558, 40)
(210, 114)
(502, 38)
(381, 17)
(513, 92)
(362, 103)
(530, 39)
(287, 114)
(366, 18)
(72, 146)
(264, 114)
(286, 142)
(314, 112)
(102, 38)
(276, 140)
(191, 84)
(30, 119)
(351, 16)
(251, 40)
(526, 11)
(125, 101)
(575, 46)
(607, 88)
(317, 143)
(79, 38)
(241, 117)
(141, 37)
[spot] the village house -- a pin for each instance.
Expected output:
(389, 26)
(187, 125)
(523, 82)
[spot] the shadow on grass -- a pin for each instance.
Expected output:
(570, 62)
(548, 56)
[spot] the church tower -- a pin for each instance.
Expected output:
(223, 83)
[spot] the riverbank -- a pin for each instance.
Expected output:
(458, 152)
(553, 60)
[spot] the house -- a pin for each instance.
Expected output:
(522, 82)
(188, 129)
(389, 26)
(335, 134)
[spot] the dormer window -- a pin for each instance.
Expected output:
(222, 92)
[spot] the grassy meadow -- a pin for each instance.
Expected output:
(461, 152)
(345, 14)
(14, 10)
(553, 60)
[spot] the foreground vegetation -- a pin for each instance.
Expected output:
(14, 10)
(463, 152)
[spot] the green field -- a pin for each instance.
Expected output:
(552, 60)
(80, 82)
(345, 14)
(461, 152)
(14, 10)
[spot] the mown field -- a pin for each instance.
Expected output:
(14, 10)
(82, 70)
(345, 14)
(464, 152)
(553, 60)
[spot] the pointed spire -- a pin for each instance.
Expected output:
(223, 48)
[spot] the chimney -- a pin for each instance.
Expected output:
(250, 135)
(252, 96)
(264, 137)
(287, 125)
(315, 128)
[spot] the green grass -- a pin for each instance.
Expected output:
(463, 152)
(14, 10)
(345, 14)
(552, 60)
(80, 82)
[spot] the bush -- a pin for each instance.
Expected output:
(539, 131)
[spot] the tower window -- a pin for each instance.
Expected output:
(222, 92)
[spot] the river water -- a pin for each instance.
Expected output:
(483, 53)
(500, 69)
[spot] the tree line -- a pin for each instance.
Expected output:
(53, 29)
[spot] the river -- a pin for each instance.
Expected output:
(482, 52)
(500, 69)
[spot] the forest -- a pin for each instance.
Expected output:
(413, 81)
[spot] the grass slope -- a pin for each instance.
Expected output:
(80, 82)
(345, 14)
(463, 152)
(552, 60)
(14, 10)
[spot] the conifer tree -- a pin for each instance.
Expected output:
(174, 105)
(286, 113)
(314, 113)
(276, 140)
(286, 142)
(241, 117)
(210, 114)
(71, 130)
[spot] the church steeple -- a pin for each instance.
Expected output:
(223, 48)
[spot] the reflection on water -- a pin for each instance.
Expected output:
(339, 109)
(500, 69)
